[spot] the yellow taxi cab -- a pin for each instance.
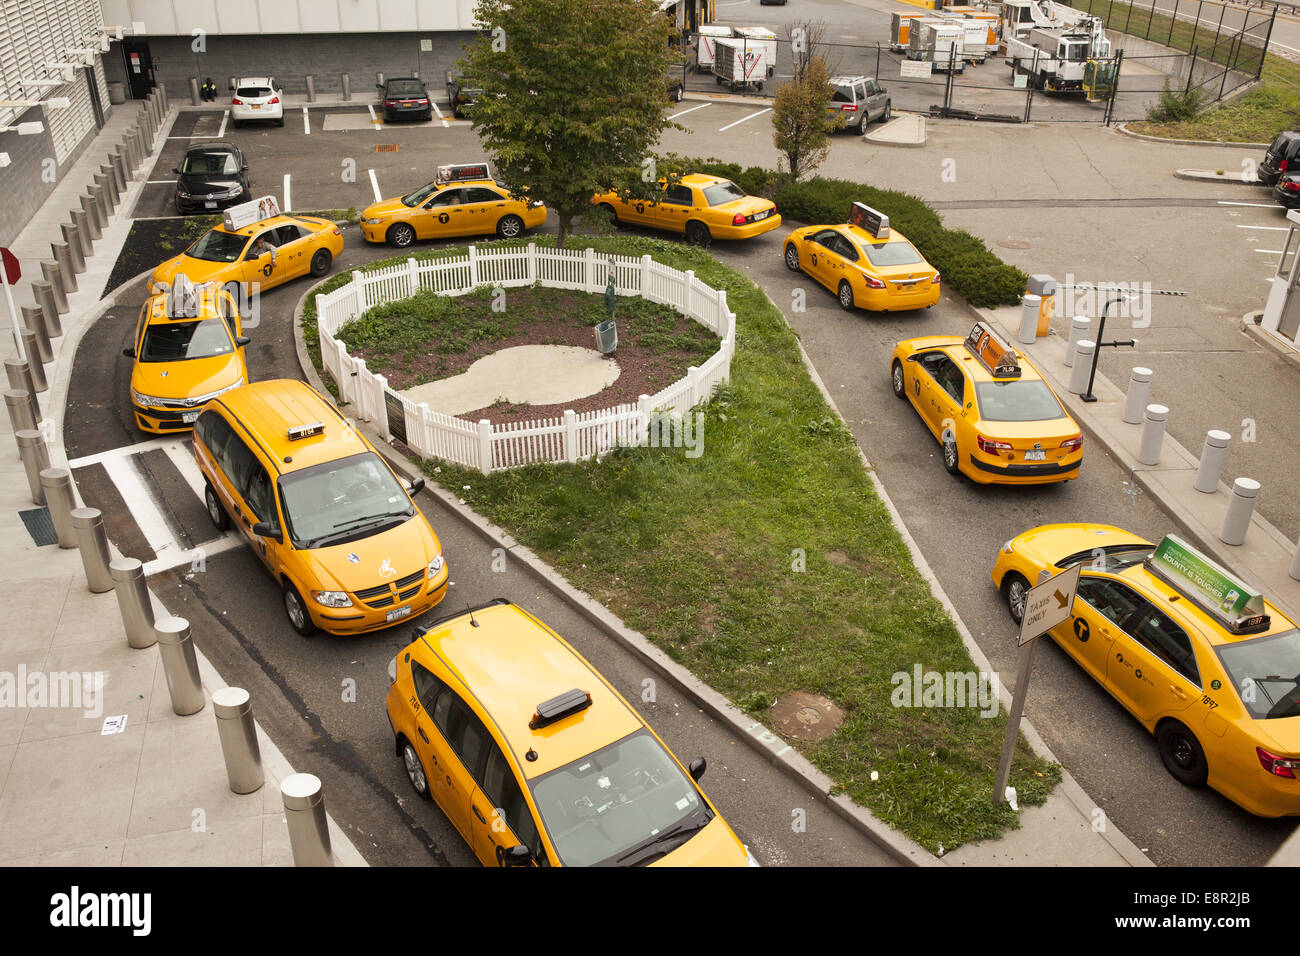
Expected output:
(865, 263)
(1193, 652)
(188, 349)
(536, 759)
(339, 531)
(990, 409)
(698, 206)
(257, 247)
(464, 200)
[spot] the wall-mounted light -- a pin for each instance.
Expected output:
(4, 160)
(34, 128)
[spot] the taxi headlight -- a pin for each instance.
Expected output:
(436, 565)
(332, 598)
(140, 398)
(373, 221)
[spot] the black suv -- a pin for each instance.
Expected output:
(405, 96)
(1280, 158)
(211, 176)
(461, 93)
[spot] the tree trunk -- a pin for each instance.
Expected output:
(566, 221)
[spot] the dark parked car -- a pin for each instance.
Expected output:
(1287, 190)
(1281, 156)
(461, 93)
(211, 176)
(405, 96)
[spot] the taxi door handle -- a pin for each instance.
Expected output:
(478, 813)
(1177, 692)
(425, 738)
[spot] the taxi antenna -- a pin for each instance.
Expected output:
(472, 622)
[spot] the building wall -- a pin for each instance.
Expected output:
(290, 58)
(24, 189)
(239, 17)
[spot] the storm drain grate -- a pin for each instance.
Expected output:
(386, 148)
(39, 526)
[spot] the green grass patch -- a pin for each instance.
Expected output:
(1256, 116)
(702, 554)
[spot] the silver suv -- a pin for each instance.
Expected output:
(860, 99)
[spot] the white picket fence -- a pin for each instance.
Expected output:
(569, 438)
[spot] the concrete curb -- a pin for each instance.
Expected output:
(763, 741)
(1123, 128)
(1207, 176)
(877, 137)
(1250, 325)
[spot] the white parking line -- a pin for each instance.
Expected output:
(691, 110)
(155, 182)
(439, 112)
(743, 118)
(306, 123)
(286, 207)
(374, 121)
(1271, 252)
(374, 184)
(1275, 228)
(1257, 205)
(222, 131)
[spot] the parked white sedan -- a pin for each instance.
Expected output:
(257, 98)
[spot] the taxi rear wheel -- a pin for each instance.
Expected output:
(846, 296)
(320, 262)
(951, 458)
(609, 212)
(1182, 754)
(697, 233)
(792, 258)
(1015, 588)
(217, 513)
(510, 227)
(897, 381)
(296, 611)
(415, 770)
(400, 235)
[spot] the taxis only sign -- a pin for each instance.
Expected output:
(1049, 604)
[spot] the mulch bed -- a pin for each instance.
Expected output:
(152, 241)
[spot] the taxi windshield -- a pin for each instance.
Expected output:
(420, 195)
(342, 500)
(892, 253)
(181, 341)
(625, 804)
(1019, 401)
(217, 246)
(720, 194)
(1266, 673)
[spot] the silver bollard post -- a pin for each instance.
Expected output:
(53, 273)
(311, 88)
(36, 458)
(176, 645)
(32, 346)
(61, 500)
(304, 812)
(1241, 505)
(133, 601)
(1083, 350)
(238, 733)
(24, 413)
(347, 87)
(1138, 396)
(72, 238)
(1029, 307)
(1153, 434)
(162, 97)
(1213, 454)
(89, 221)
(1080, 326)
(101, 205)
(110, 183)
(44, 292)
(34, 324)
(19, 373)
(118, 163)
(195, 98)
(379, 78)
(88, 523)
(131, 143)
(63, 256)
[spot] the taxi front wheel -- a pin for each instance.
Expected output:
(1182, 754)
(896, 380)
(401, 235)
(510, 227)
(215, 511)
(846, 296)
(792, 258)
(1016, 589)
(415, 770)
(296, 611)
(320, 262)
(951, 458)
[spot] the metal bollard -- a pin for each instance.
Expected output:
(143, 141)
(238, 733)
(1029, 307)
(1153, 434)
(1080, 326)
(24, 413)
(34, 327)
(89, 221)
(118, 164)
(49, 308)
(1241, 505)
(36, 458)
(101, 204)
(1213, 454)
(347, 87)
(1082, 365)
(110, 183)
(61, 499)
(304, 812)
(379, 78)
(131, 143)
(176, 645)
(88, 524)
(133, 601)
(162, 97)
(19, 373)
(77, 245)
(53, 273)
(311, 88)
(1139, 394)
(195, 98)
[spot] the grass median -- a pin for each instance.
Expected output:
(768, 565)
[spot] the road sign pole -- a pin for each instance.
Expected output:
(13, 315)
(1026, 663)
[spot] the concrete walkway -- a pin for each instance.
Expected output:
(522, 375)
(78, 787)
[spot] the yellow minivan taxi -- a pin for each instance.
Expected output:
(337, 528)
(188, 349)
(1194, 653)
(536, 759)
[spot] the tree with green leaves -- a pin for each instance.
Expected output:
(574, 94)
(801, 117)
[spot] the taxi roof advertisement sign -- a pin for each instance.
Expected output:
(874, 221)
(1231, 597)
(247, 213)
(462, 172)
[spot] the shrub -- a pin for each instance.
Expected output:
(1175, 107)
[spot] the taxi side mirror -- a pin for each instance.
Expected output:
(242, 340)
(417, 486)
(268, 529)
(129, 353)
(517, 855)
(697, 768)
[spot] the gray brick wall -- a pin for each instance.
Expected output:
(24, 191)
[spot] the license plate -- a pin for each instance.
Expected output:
(189, 417)
(209, 205)
(398, 614)
(1039, 455)
(256, 106)
(761, 215)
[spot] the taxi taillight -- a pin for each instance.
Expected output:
(991, 446)
(337, 232)
(1278, 766)
(935, 280)
(738, 219)
(874, 283)
(1073, 444)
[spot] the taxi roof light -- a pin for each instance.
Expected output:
(993, 352)
(872, 220)
(182, 298)
(559, 707)
(462, 172)
(1236, 606)
(297, 432)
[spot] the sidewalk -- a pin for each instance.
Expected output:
(73, 792)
